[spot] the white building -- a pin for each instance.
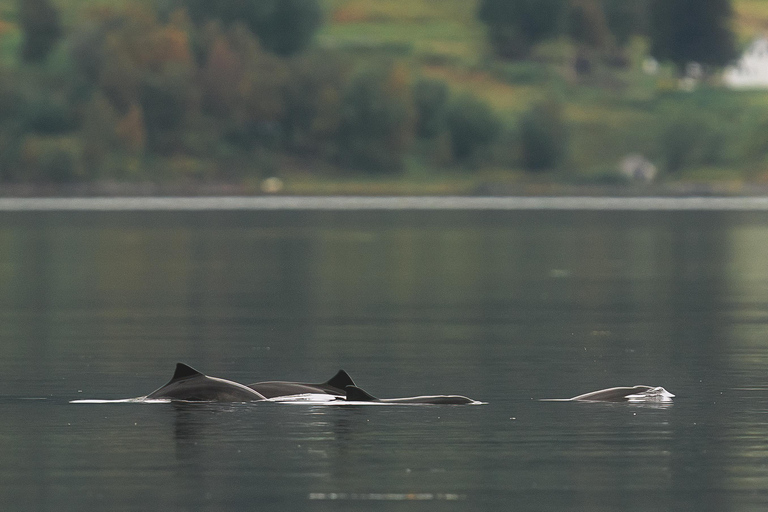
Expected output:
(751, 70)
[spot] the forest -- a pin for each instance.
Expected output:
(450, 93)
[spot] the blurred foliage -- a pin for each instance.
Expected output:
(471, 124)
(684, 31)
(40, 23)
(543, 136)
(234, 90)
(377, 120)
(515, 26)
(283, 26)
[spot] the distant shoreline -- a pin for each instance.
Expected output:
(383, 203)
(389, 188)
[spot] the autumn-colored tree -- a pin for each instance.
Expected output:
(242, 85)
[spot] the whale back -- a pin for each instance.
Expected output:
(334, 386)
(189, 385)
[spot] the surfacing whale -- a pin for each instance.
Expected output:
(189, 385)
(620, 394)
(278, 388)
(356, 394)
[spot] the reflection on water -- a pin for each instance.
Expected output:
(503, 306)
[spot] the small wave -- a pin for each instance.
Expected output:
(385, 496)
(140, 400)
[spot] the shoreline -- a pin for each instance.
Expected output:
(389, 188)
(381, 203)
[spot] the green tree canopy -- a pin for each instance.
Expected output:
(514, 26)
(626, 18)
(283, 27)
(684, 31)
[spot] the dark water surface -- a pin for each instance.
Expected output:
(503, 306)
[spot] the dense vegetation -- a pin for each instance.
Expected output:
(214, 90)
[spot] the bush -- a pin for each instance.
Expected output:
(376, 125)
(284, 27)
(691, 138)
(471, 125)
(52, 159)
(43, 115)
(40, 22)
(514, 26)
(430, 98)
(313, 95)
(543, 136)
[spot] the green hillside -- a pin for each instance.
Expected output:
(402, 52)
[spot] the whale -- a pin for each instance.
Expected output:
(277, 388)
(620, 394)
(356, 394)
(189, 385)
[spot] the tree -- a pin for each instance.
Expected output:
(472, 124)
(42, 29)
(377, 120)
(626, 19)
(283, 27)
(430, 97)
(684, 31)
(587, 24)
(515, 26)
(543, 136)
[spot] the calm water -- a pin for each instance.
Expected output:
(502, 306)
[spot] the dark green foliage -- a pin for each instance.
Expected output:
(40, 23)
(165, 100)
(430, 97)
(51, 159)
(587, 24)
(515, 26)
(48, 117)
(283, 27)
(471, 125)
(691, 137)
(684, 31)
(626, 18)
(375, 125)
(312, 100)
(543, 137)
(59, 166)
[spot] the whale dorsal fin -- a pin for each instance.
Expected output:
(183, 371)
(355, 394)
(340, 381)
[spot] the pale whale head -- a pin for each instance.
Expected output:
(657, 394)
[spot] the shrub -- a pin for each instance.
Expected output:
(313, 96)
(689, 138)
(42, 29)
(514, 26)
(543, 136)
(284, 27)
(52, 159)
(430, 98)
(376, 125)
(471, 125)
